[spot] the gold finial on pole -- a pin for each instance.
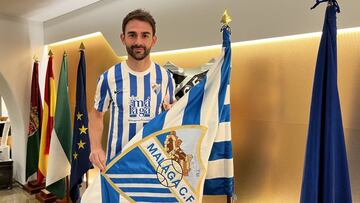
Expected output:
(82, 46)
(65, 54)
(50, 53)
(36, 58)
(225, 19)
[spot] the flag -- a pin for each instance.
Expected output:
(33, 143)
(47, 120)
(326, 177)
(81, 144)
(60, 144)
(185, 79)
(217, 182)
(167, 161)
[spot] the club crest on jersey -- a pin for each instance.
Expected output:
(156, 88)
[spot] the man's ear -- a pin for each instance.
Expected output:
(154, 40)
(122, 38)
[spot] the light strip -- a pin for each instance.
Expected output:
(76, 39)
(243, 43)
(186, 50)
(258, 41)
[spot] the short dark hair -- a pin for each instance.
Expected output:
(142, 15)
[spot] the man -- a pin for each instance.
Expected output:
(134, 90)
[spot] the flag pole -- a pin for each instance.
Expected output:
(36, 58)
(82, 46)
(87, 179)
(225, 20)
(67, 189)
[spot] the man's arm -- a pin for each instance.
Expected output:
(166, 103)
(169, 99)
(97, 154)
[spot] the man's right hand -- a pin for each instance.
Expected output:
(97, 154)
(97, 157)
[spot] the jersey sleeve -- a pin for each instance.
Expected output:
(102, 95)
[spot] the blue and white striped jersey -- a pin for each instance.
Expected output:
(134, 98)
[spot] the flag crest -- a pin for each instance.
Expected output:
(164, 166)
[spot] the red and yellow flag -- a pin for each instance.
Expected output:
(48, 120)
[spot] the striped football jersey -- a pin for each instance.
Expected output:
(134, 98)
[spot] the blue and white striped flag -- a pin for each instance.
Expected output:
(182, 153)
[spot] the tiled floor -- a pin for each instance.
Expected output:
(16, 195)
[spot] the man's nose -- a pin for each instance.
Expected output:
(138, 40)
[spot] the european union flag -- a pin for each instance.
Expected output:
(326, 177)
(81, 143)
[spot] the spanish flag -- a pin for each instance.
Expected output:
(48, 120)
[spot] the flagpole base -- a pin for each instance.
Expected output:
(33, 187)
(45, 196)
(228, 199)
(65, 200)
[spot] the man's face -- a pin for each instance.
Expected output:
(138, 39)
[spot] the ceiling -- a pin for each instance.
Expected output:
(41, 10)
(180, 24)
(185, 24)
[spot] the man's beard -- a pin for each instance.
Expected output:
(137, 56)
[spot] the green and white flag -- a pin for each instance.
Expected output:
(61, 138)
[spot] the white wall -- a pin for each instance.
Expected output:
(19, 40)
(3, 109)
(186, 23)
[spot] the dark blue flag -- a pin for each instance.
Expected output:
(81, 143)
(326, 177)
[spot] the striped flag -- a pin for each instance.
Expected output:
(33, 144)
(167, 161)
(218, 179)
(48, 120)
(61, 137)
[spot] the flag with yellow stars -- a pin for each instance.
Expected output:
(81, 144)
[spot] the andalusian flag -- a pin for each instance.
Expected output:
(47, 122)
(60, 145)
(33, 144)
